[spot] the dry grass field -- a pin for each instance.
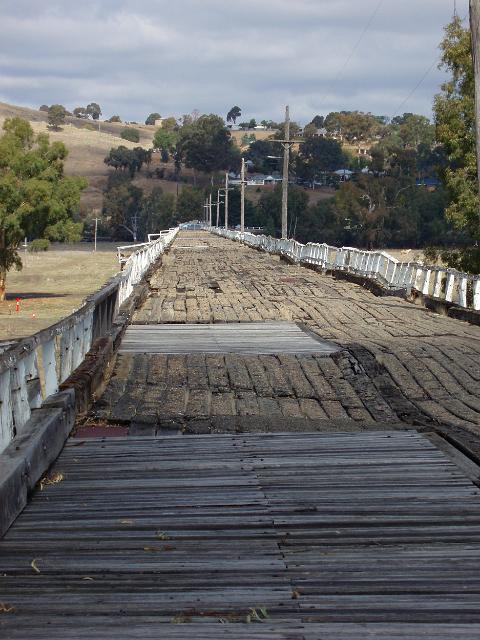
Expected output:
(52, 284)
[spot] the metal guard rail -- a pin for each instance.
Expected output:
(448, 285)
(34, 367)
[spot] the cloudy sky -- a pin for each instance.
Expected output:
(173, 56)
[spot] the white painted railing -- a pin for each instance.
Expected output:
(33, 368)
(444, 284)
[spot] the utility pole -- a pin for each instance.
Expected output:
(218, 208)
(210, 210)
(475, 31)
(205, 211)
(135, 225)
(286, 158)
(96, 228)
(226, 200)
(242, 199)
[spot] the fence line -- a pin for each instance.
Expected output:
(448, 285)
(34, 367)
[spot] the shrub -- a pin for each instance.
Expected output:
(40, 244)
(129, 133)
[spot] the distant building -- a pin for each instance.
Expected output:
(159, 121)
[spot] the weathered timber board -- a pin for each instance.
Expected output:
(242, 338)
(337, 536)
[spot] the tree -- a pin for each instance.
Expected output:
(265, 155)
(80, 112)
(56, 115)
(128, 159)
(44, 107)
(122, 202)
(318, 122)
(234, 113)
(295, 130)
(165, 140)
(190, 205)
(206, 145)
(152, 118)
(253, 216)
(353, 125)
(131, 134)
(414, 130)
(114, 119)
(93, 110)
(309, 130)
(252, 124)
(317, 155)
(319, 223)
(157, 212)
(455, 129)
(169, 124)
(34, 193)
(270, 206)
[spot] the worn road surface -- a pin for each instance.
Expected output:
(284, 476)
(397, 363)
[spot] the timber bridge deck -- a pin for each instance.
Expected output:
(277, 455)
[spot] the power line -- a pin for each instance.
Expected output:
(419, 83)
(350, 55)
(423, 78)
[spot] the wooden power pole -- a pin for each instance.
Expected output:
(242, 197)
(475, 31)
(226, 200)
(286, 158)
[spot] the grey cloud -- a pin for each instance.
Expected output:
(133, 58)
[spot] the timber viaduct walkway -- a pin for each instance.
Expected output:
(278, 470)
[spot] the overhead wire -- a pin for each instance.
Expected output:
(420, 82)
(350, 55)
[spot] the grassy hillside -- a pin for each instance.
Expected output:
(87, 148)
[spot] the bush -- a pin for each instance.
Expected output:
(130, 134)
(64, 231)
(40, 244)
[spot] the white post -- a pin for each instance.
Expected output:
(437, 287)
(462, 292)
(50, 367)
(426, 282)
(450, 286)
(6, 417)
(476, 294)
(226, 200)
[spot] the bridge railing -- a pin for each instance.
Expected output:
(33, 368)
(448, 285)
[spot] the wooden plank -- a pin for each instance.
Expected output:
(241, 338)
(336, 535)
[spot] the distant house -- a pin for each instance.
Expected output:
(159, 121)
(344, 174)
(431, 184)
